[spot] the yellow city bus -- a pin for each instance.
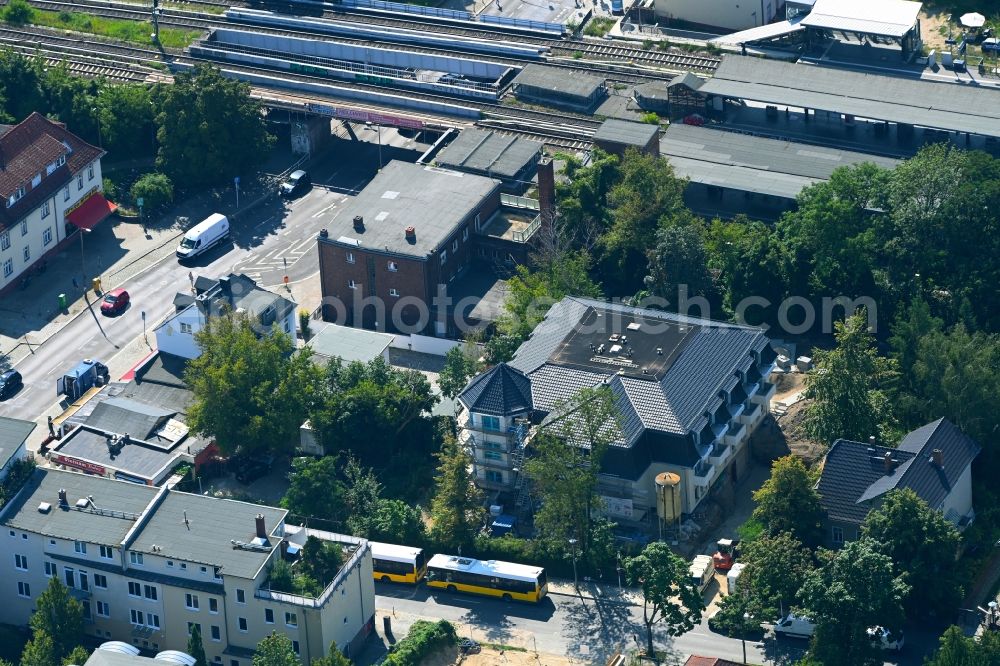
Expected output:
(490, 577)
(397, 564)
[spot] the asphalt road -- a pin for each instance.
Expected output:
(274, 240)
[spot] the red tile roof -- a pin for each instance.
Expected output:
(26, 150)
(695, 660)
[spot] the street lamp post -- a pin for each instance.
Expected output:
(378, 128)
(83, 263)
(743, 635)
(576, 581)
(618, 567)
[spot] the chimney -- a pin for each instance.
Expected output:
(937, 455)
(411, 234)
(225, 286)
(359, 223)
(323, 233)
(888, 463)
(261, 529)
(871, 440)
(283, 546)
(62, 497)
(546, 190)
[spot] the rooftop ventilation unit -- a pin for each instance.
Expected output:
(82, 503)
(44, 507)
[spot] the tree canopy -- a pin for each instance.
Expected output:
(275, 650)
(669, 596)
(956, 649)
(461, 363)
(195, 647)
(788, 502)
(58, 616)
(776, 568)
(456, 508)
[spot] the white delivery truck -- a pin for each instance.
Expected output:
(203, 236)
(702, 571)
(733, 577)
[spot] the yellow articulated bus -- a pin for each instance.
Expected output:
(398, 564)
(490, 577)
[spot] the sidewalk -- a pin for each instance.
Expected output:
(596, 591)
(116, 250)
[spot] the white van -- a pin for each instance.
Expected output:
(205, 235)
(733, 577)
(796, 626)
(702, 571)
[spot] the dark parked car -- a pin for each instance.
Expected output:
(10, 383)
(297, 184)
(114, 302)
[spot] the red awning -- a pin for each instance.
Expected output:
(91, 212)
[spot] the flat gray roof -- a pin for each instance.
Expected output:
(892, 18)
(206, 538)
(490, 152)
(946, 106)
(13, 433)
(624, 132)
(434, 201)
(752, 163)
(350, 344)
(118, 505)
(559, 80)
(143, 459)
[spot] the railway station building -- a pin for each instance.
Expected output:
(616, 136)
(552, 86)
(52, 189)
(510, 159)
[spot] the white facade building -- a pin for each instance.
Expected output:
(728, 14)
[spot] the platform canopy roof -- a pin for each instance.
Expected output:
(953, 107)
(889, 18)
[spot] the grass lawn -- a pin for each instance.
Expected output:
(12, 642)
(127, 31)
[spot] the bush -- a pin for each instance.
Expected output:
(304, 318)
(18, 12)
(651, 118)
(155, 189)
(110, 189)
(423, 639)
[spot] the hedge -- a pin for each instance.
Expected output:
(423, 639)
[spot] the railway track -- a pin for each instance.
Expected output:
(86, 59)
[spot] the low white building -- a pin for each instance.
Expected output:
(51, 187)
(13, 442)
(232, 293)
(728, 14)
(150, 563)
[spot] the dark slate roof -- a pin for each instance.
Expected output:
(500, 391)
(687, 79)
(123, 415)
(13, 433)
(854, 474)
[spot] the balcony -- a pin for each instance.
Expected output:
(765, 393)
(703, 473)
(752, 415)
(737, 435)
(720, 453)
(719, 430)
(351, 552)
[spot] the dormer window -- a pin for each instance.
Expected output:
(36, 180)
(61, 160)
(69, 148)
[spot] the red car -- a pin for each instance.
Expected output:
(114, 302)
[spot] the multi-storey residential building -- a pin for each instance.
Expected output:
(149, 563)
(211, 298)
(689, 393)
(50, 184)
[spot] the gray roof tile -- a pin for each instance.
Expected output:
(500, 391)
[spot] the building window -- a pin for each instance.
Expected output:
(204, 569)
(134, 589)
(23, 590)
(150, 592)
(234, 662)
(268, 616)
(66, 193)
(27, 254)
(491, 423)
(291, 619)
(80, 547)
(216, 633)
(191, 602)
(191, 626)
(492, 455)
(101, 581)
(8, 268)
(351, 284)
(153, 620)
(103, 610)
(135, 616)
(213, 605)
(295, 647)
(47, 236)
(241, 597)
(51, 571)
(21, 562)
(444, 256)
(86, 609)
(184, 566)
(170, 563)
(185, 328)
(394, 292)
(84, 581)
(393, 266)
(107, 552)
(494, 476)
(90, 172)
(135, 558)
(838, 535)
(454, 245)
(465, 233)
(24, 227)
(350, 257)
(79, 183)
(68, 577)
(5, 240)
(243, 624)
(45, 209)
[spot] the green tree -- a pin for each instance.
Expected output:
(58, 616)
(500, 348)
(250, 392)
(156, 191)
(18, 12)
(40, 651)
(743, 252)
(776, 568)
(456, 508)
(668, 595)
(334, 657)
(460, 364)
(78, 656)
(315, 489)
(564, 467)
(958, 650)
(911, 326)
(127, 116)
(847, 387)
(210, 129)
(21, 79)
(321, 560)
(195, 647)
(788, 502)
(677, 261)
(855, 590)
(275, 650)
(362, 493)
(396, 521)
(923, 545)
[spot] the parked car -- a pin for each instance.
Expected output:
(203, 236)
(115, 302)
(296, 184)
(10, 383)
(252, 468)
(795, 626)
(885, 639)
